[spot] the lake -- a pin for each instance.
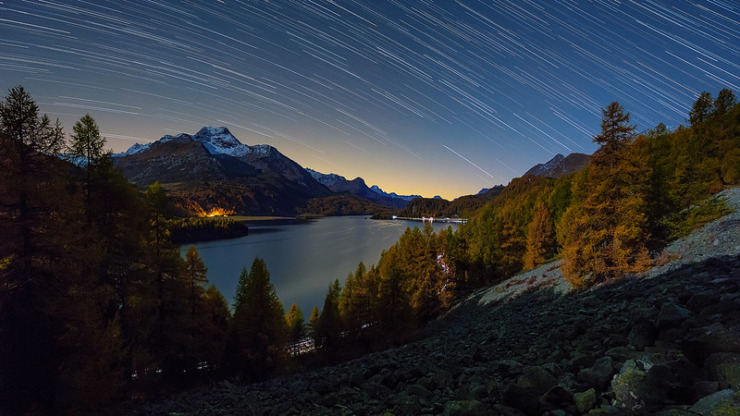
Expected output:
(303, 258)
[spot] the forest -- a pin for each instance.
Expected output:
(92, 286)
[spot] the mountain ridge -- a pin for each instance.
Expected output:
(213, 169)
(560, 166)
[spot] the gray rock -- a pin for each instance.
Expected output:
(538, 379)
(671, 315)
(557, 395)
(719, 403)
(717, 338)
(642, 334)
(599, 375)
(628, 387)
(585, 401)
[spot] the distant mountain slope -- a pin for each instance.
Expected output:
(212, 169)
(560, 165)
(462, 207)
(377, 190)
(357, 187)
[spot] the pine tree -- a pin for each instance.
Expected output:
(313, 325)
(213, 329)
(296, 326)
(33, 220)
(605, 234)
(724, 102)
(196, 276)
(58, 340)
(329, 328)
(702, 109)
(87, 148)
(540, 237)
(259, 319)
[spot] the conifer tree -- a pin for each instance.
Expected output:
(296, 325)
(87, 147)
(57, 340)
(605, 234)
(20, 120)
(724, 102)
(214, 327)
(329, 326)
(540, 237)
(259, 319)
(702, 109)
(196, 276)
(313, 325)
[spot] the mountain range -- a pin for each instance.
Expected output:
(357, 186)
(212, 171)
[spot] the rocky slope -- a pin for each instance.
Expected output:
(212, 169)
(560, 165)
(664, 343)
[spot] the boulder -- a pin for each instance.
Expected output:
(585, 401)
(629, 386)
(599, 375)
(723, 368)
(716, 404)
(537, 379)
(671, 315)
(521, 398)
(642, 334)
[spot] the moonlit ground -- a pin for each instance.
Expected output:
(431, 97)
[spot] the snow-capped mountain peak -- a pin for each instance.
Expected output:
(219, 140)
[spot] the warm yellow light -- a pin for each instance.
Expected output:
(217, 212)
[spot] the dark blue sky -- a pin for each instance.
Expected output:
(432, 97)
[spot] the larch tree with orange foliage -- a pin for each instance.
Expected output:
(540, 237)
(605, 235)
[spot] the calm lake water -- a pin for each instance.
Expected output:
(303, 259)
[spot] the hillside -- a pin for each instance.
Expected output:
(664, 341)
(462, 207)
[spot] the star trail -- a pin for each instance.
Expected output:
(433, 97)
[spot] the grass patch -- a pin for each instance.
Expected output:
(682, 223)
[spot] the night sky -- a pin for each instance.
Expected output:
(430, 97)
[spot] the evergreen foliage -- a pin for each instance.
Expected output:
(259, 322)
(296, 326)
(91, 288)
(195, 229)
(607, 232)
